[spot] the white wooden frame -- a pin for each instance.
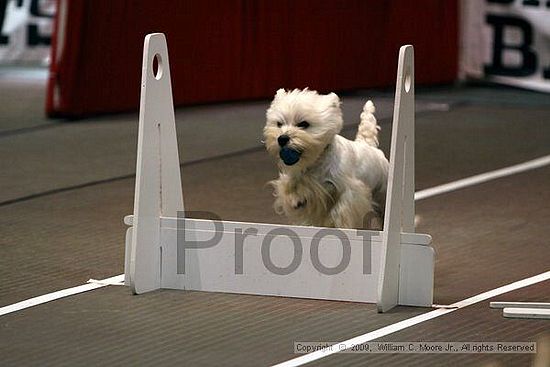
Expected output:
(389, 267)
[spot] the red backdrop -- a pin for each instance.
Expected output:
(241, 49)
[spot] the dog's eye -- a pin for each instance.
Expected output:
(279, 124)
(303, 124)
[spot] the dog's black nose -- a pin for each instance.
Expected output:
(283, 140)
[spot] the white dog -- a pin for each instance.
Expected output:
(325, 179)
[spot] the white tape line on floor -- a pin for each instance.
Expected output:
(483, 177)
(390, 329)
(59, 294)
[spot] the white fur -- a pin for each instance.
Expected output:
(336, 182)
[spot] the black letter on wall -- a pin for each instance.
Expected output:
(528, 65)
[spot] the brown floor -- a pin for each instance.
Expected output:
(66, 188)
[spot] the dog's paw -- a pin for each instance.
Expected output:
(296, 202)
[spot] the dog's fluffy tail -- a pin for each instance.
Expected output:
(368, 128)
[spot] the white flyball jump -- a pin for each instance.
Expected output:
(166, 250)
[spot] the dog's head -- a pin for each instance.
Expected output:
(300, 124)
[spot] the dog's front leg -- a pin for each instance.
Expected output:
(354, 209)
(290, 199)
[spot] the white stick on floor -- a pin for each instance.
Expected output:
(519, 305)
(526, 313)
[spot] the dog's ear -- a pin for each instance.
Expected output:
(334, 100)
(281, 92)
